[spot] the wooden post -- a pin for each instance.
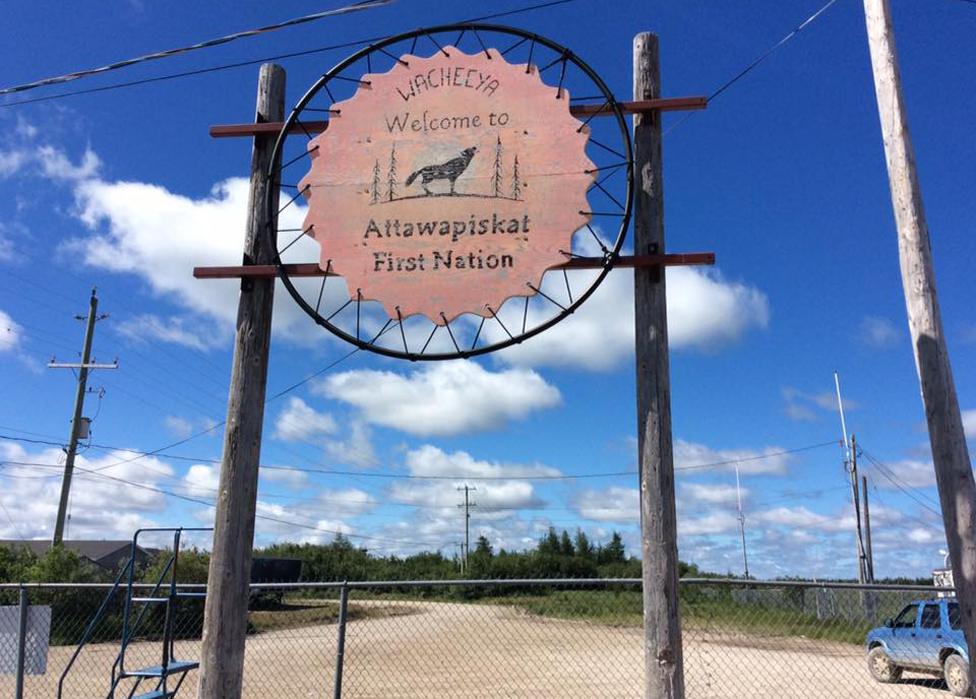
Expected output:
(663, 673)
(225, 615)
(950, 455)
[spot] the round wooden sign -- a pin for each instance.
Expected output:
(448, 184)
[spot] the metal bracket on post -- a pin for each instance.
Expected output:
(341, 643)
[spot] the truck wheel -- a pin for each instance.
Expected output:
(881, 668)
(956, 673)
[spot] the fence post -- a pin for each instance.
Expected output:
(341, 645)
(22, 644)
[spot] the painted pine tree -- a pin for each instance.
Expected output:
(391, 176)
(516, 181)
(497, 177)
(374, 191)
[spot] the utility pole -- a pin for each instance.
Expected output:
(467, 505)
(663, 661)
(867, 531)
(850, 466)
(225, 613)
(950, 454)
(79, 424)
(742, 522)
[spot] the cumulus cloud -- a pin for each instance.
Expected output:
(712, 493)
(159, 236)
(878, 333)
(692, 457)
(356, 448)
(9, 333)
(179, 427)
(705, 312)
(103, 505)
(298, 422)
(148, 327)
(447, 398)
(613, 504)
(801, 406)
(969, 423)
(497, 489)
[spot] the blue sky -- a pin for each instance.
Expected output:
(783, 177)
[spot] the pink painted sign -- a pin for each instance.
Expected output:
(448, 185)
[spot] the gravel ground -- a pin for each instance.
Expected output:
(462, 650)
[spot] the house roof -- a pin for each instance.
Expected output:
(94, 550)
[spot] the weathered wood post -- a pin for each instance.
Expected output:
(663, 666)
(225, 615)
(950, 455)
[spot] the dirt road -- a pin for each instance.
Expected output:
(461, 650)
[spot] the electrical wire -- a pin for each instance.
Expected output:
(256, 61)
(885, 471)
(756, 63)
(210, 43)
(168, 493)
(410, 476)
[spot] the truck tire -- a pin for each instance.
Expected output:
(956, 673)
(881, 667)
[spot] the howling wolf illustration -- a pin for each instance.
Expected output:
(450, 170)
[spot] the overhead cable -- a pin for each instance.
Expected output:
(78, 75)
(265, 59)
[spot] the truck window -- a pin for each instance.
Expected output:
(930, 617)
(906, 619)
(955, 617)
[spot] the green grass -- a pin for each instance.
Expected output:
(624, 609)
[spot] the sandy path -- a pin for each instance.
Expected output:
(463, 650)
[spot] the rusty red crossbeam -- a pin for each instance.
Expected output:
(312, 269)
(670, 104)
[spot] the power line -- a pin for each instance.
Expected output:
(756, 63)
(890, 476)
(767, 455)
(411, 476)
(257, 61)
(168, 493)
(210, 43)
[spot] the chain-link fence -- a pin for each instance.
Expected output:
(515, 638)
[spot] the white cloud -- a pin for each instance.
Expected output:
(350, 502)
(969, 423)
(459, 468)
(712, 493)
(705, 312)
(287, 477)
(146, 230)
(179, 427)
(299, 422)
(443, 399)
(804, 407)
(430, 461)
(102, 505)
(356, 449)
(911, 473)
(11, 161)
(879, 333)
(9, 333)
(720, 522)
(148, 327)
(202, 481)
(689, 456)
(56, 165)
(614, 504)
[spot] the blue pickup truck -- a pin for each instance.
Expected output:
(926, 636)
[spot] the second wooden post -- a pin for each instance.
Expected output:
(663, 666)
